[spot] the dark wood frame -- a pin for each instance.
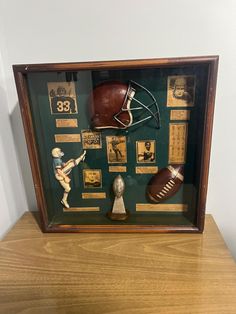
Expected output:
(20, 72)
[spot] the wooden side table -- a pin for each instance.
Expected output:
(115, 273)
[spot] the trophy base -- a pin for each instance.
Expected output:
(117, 216)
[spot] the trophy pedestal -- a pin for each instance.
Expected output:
(113, 216)
(118, 211)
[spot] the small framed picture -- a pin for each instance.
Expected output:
(91, 139)
(116, 149)
(62, 97)
(146, 151)
(181, 91)
(92, 178)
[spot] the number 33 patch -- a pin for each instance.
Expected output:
(62, 98)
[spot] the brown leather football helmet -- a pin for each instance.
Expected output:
(116, 105)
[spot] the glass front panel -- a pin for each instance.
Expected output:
(144, 124)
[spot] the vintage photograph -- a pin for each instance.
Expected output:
(92, 178)
(146, 151)
(91, 139)
(116, 149)
(62, 97)
(180, 91)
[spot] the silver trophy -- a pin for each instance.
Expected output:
(118, 211)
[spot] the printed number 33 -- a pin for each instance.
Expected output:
(63, 105)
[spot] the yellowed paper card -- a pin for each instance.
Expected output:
(181, 91)
(62, 98)
(146, 151)
(66, 123)
(81, 209)
(177, 142)
(142, 170)
(116, 149)
(92, 178)
(162, 207)
(179, 114)
(70, 138)
(91, 139)
(99, 195)
(117, 169)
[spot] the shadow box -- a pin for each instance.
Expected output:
(119, 146)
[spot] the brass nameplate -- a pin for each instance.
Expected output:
(177, 142)
(142, 170)
(69, 138)
(162, 207)
(66, 123)
(179, 114)
(98, 195)
(81, 209)
(117, 169)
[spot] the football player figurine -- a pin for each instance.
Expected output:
(118, 210)
(62, 171)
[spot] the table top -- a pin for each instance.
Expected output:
(115, 273)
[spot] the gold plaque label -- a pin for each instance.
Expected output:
(162, 207)
(177, 142)
(98, 195)
(117, 169)
(66, 123)
(179, 114)
(142, 170)
(70, 138)
(81, 209)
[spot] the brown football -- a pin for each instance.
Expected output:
(165, 183)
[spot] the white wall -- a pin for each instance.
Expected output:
(73, 30)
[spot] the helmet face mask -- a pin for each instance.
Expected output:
(121, 106)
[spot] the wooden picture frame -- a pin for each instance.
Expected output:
(163, 218)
